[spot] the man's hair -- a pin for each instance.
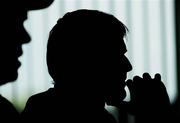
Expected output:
(83, 41)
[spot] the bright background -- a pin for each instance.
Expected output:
(150, 43)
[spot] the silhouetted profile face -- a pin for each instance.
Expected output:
(86, 50)
(14, 35)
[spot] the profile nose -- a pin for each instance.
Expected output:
(25, 38)
(127, 64)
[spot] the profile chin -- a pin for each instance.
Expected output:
(12, 76)
(6, 80)
(18, 64)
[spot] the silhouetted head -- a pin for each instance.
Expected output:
(13, 34)
(86, 51)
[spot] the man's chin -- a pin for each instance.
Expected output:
(116, 98)
(8, 78)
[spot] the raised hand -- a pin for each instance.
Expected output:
(149, 98)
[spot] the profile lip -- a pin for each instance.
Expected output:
(18, 63)
(19, 52)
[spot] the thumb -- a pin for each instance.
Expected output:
(129, 84)
(132, 89)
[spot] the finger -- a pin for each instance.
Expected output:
(129, 84)
(137, 79)
(146, 76)
(157, 77)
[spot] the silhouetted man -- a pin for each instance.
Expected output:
(13, 36)
(86, 59)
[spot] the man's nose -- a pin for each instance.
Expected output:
(127, 64)
(25, 38)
